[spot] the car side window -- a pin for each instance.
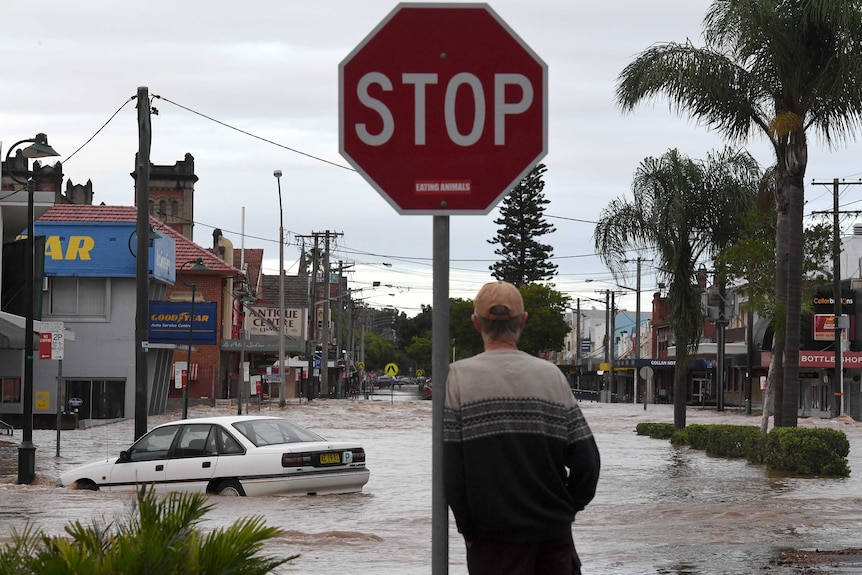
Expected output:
(192, 441)
(229, 445)
(154, 445)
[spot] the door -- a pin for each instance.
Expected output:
(146, 461)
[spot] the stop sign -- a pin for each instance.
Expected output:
(443, 108)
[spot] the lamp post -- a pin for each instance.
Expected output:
(39, 148)
(197, 265)
(282, 388)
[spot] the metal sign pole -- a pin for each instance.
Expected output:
(440, 372)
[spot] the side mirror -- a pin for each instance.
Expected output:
(124, 457)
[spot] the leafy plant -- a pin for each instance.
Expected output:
(160, 536)
(795, 450)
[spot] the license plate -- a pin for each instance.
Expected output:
(330, 458)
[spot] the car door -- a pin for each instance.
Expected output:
(145, 462)
(193, 458)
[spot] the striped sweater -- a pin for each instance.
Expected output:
(519, 458)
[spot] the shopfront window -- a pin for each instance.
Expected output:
(97, 398)
(11, 390)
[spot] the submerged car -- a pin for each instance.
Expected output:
(232, 455)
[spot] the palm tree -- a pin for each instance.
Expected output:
(684, 211)
(778, 68)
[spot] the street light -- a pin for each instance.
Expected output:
(282, 389)
(197, 265)
(39, 148)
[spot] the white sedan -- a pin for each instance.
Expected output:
(233, 455)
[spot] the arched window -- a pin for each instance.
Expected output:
(163, 208)
(175, 209)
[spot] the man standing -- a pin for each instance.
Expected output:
(519, 458)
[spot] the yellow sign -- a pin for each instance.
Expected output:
(361, 365)
(42, 401)
(391, 369)
(419, 373)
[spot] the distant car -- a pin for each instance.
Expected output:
(402, 380)
(233, 455)
(385, 381)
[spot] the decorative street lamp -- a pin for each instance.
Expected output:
(198, 265)
(39, 148)
(282, 389)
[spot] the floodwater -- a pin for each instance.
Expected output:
(659, 509)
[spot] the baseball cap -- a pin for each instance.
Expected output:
(498, 300)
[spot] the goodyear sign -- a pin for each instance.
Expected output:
(169, 322)
(102, 249)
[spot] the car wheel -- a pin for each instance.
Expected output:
(86, 484)
(230, 487)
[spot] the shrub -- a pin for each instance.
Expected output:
(679, 437)
(793, 449)
(728, 440)
(161, 537)
(698, 435)
(808, 451)
(655, 430)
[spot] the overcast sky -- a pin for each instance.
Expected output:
(270, 69)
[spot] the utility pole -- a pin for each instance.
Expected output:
(578, 343)
(142, 227)
(611, 342)
(637, 330)
(324, 360)
(312, 319)
(720, 326)
(838, 406)
(339, 324)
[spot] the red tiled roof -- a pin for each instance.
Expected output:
(186, 249)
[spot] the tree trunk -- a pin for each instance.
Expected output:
(779, 319)
(790, 399)
(680, 389)
(796, 161)
(768, 396)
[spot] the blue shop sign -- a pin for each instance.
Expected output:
(102, 249)
(169, 322)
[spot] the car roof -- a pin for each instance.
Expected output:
(221, 419)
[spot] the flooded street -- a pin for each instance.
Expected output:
(659, 509)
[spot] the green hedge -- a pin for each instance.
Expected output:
(808, 451)
(655, 430)
(791, 449)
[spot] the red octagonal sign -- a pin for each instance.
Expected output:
(443, 108)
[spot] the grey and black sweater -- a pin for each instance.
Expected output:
(519, 458)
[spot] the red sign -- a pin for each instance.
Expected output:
(443, 108)
(824, 327)
(46, 341)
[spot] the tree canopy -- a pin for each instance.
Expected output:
(778, 68)
(683, 210)
(525, 259)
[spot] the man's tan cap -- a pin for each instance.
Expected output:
(498, 300)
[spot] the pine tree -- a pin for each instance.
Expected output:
(525, 259)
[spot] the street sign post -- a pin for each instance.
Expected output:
(443, 108)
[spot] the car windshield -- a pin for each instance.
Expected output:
(274, 431)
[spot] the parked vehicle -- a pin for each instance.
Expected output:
(232, 455)
(385, 381)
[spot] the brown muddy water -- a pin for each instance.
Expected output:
(659, 509)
